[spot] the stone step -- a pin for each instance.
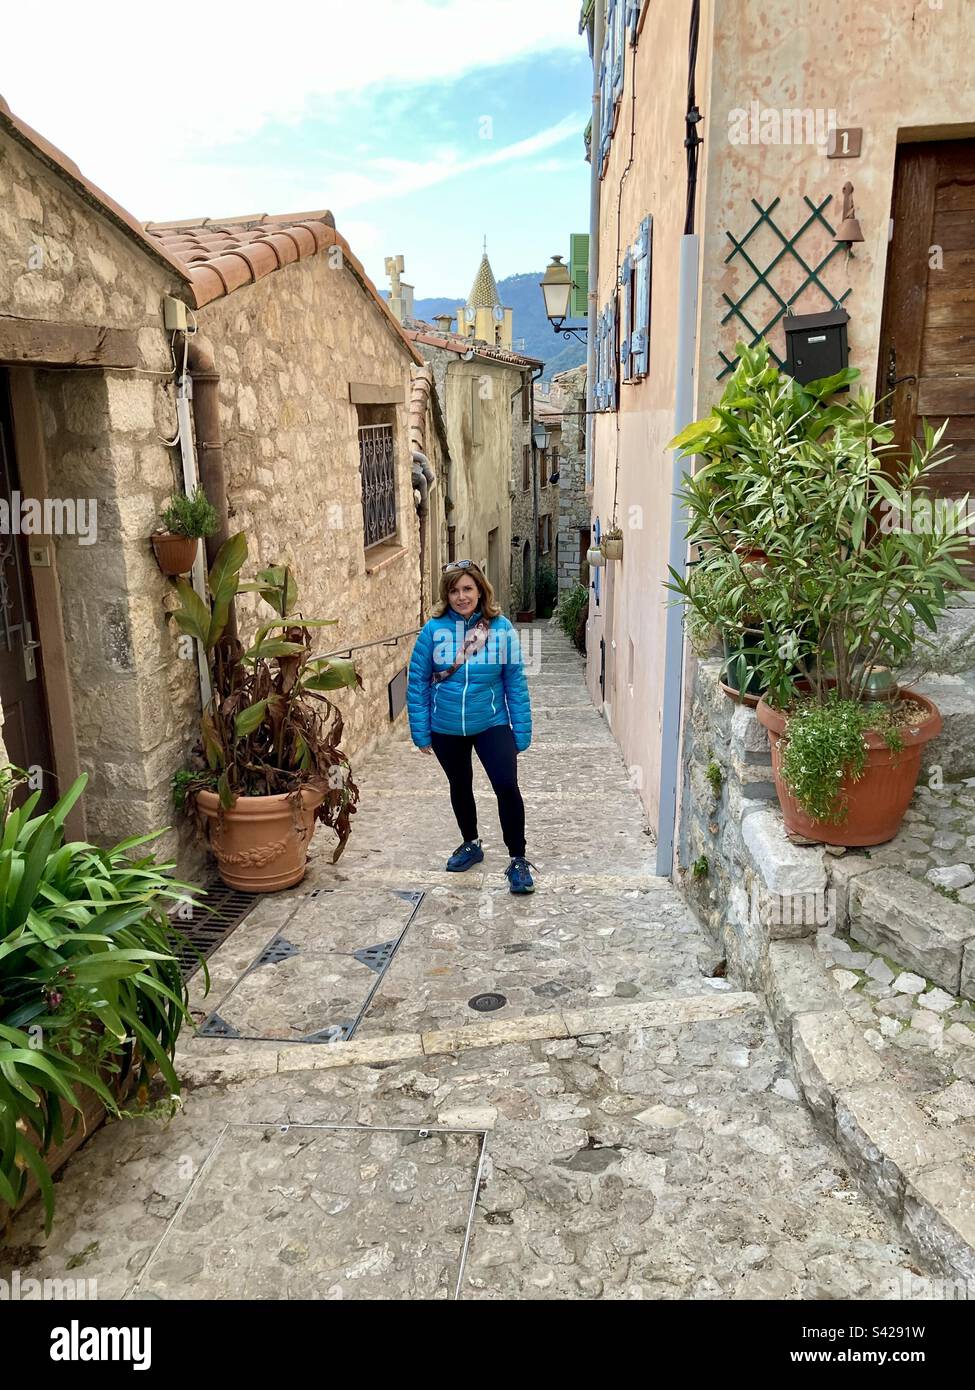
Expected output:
(920, 1170)
(951, 651)
(921, 929)
(954, 749)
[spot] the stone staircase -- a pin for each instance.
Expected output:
(914, 898)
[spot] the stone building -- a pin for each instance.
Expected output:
(484, 390)
(797, 113)
(319, 406)
(563, 412)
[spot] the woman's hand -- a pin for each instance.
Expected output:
(427, 750)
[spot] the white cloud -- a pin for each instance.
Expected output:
(119, 84)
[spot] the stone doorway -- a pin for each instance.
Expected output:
(26, 729)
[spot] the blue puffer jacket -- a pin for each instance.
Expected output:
(488, 689)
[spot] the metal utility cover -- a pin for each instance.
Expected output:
(315, 978)
(321, 1212)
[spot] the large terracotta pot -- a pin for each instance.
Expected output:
(175, 555)
(261, 843)
(876, 802)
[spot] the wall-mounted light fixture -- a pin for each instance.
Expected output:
(556, 288)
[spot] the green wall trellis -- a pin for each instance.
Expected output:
(789, 244)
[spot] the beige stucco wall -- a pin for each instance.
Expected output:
(897, 68)
(629, 454)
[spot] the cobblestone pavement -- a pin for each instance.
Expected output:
(626, 1126)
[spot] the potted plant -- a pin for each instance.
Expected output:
(843, 588)
(523, 612)
(611, 543)
(546, 590)
(185, 521)
(269, 764)
(91, 995)
(595, 558)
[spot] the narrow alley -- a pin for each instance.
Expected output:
(542, 1097)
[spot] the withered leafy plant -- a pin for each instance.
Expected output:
(269, 727)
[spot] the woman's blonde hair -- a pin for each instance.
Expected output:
(490, 608)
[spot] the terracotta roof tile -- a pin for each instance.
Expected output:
(222, 255)
(454, 342)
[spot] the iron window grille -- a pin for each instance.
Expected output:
(378, 472)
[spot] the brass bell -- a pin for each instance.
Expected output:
(849, 228)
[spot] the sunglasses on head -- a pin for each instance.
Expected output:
(458, 565)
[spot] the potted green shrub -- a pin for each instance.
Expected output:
(91, 994)
(546, 590)
(836, 596)
(611, 543)
(185, 521)
(269, 763)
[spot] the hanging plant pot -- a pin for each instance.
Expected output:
(612, 547)
(595, 557)
(877, 801)
(175, 555)
(261, 842)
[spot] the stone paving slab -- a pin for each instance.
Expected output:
(556, 947)
(300, 1212)
(674, 1161)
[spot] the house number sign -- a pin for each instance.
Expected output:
(844, 142)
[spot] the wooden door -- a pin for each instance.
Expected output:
(927, 349)
(25, 726)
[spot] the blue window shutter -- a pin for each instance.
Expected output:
(633, 8)
(612, 357)
(626, 320)
(616, 25)
(641, 294)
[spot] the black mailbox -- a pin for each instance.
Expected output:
(816, 344)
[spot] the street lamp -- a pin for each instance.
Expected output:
(556, 288)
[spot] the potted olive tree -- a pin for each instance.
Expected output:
(842, 591)
(269, 763)
(186, 520)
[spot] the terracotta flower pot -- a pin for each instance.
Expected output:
(877, 802)
(525, 615)
(261, 844)
(175, 555)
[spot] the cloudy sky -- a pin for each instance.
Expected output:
(424, 125)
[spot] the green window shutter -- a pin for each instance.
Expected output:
(579, 270)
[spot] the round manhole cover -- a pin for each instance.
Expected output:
(487, 1003)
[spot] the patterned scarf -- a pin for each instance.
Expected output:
(473, 642)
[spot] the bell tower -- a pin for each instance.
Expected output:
(484, 318)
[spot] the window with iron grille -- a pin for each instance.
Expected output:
(377, 467)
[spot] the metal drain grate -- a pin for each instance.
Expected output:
(211, 922)
(487, 1003)
(280, 949)
(376, 957)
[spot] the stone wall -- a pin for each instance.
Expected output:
(287, 349)
(568, 395)
(480, 452)
(61, 261)
(749, 883)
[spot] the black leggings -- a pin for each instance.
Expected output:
(496, 750)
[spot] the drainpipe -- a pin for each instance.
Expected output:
(209, 443)
(599, 31)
